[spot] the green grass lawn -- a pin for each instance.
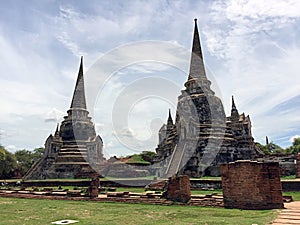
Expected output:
(37, 211)
(291, 177)
(294, 194)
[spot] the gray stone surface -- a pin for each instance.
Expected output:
(75, 150)
(202, 137)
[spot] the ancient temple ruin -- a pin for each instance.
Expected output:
(202, 137)
(75, 150)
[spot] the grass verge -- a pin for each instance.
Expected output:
(37, 211)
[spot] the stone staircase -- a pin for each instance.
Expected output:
(33, 168)
(72, 155)
(175, 161)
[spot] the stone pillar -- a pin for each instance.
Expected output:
(178, 189)
(298, 166)
(93, 188)
(251, 185)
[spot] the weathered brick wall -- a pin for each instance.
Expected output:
(178, 189)
(298, 166)
(251, 185)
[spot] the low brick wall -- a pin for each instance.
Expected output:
(205, 184)
(252, 185)
(287, 185)
(213, 201)
(83, 183)
(290, 185)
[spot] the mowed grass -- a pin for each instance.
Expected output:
(38, 211)
(294, 194)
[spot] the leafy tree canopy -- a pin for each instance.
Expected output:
(8, 163)
(25, 158)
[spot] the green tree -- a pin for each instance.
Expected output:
(275, 149)
(25, 158)
(295, 148)
(270, 148)
(148, 156)
(8, 163)
(37, 153)
(263, 148)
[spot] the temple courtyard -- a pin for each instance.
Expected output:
(108, 208)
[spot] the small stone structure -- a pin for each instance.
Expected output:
(178, 189)
(94, 188)
(298, 166)
(252, 185)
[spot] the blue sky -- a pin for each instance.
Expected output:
(251, 50)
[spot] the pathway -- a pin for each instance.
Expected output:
(289, 215)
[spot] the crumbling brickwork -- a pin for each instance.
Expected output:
(93, 189)
(252, 185)
(298, 166)
(178, 189)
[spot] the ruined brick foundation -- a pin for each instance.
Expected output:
(252, 185)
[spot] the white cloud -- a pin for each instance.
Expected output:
(255, 9)
(294, 137)
(11, 148)
(54, 115)
(255, 43)
(252, 48)
(72, 46)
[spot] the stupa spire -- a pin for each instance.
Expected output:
(78, 100)
(197, 69)
(233, 104)
(234, 112)
(267, 140)
(170, 124)
(57, 130)
(170, 120)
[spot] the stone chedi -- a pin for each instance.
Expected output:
(75, 150)
(202, 137)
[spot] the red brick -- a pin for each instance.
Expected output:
(251, 185)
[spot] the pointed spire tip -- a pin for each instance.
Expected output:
(78, 100)
(170, 120)
(170, 116)
(233, 103)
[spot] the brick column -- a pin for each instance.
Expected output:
(178, 189)
(251, 185)
(298, 165)
(93, 189)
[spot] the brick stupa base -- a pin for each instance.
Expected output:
(252, 185)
